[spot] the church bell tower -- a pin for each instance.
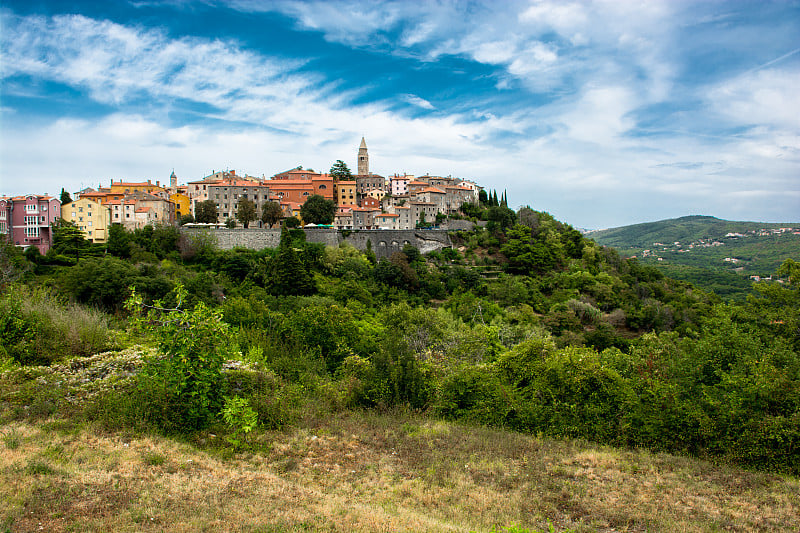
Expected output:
(363, 159)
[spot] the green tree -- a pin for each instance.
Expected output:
(68, 239)
(288, 275)
(292, 222)
(500, 217)
(339, 171)
(205, 212)
(271, 213)
(65, 197)
(230, 223)
(119, 241)
(186, 219)
(318, 210)
(246, 212)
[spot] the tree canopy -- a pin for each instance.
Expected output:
(318, 210)
(205, 212)
(271, 213)
(246, 212)
(340, 171)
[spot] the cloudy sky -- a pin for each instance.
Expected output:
(602, 113)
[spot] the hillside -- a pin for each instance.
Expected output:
(686, 230)
(717, 255)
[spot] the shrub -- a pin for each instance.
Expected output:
(192, 345)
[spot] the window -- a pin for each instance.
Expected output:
(90, 224)
(116, 215)
(73, 214)
(323, 187)
(80, 219)
(80, 210)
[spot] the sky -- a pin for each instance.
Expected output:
(601, 113)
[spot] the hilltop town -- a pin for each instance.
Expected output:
(364, 200)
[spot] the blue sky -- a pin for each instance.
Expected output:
(601, 113)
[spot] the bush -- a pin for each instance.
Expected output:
(192, 345)
(475, 394)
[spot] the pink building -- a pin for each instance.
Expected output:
(27, 220)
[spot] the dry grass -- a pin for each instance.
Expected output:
(369, 472)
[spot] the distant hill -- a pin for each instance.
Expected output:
(718, 255)
(684, 230)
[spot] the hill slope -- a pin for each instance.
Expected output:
(684, 230)
(718, 255)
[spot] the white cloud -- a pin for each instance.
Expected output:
(764, 97)
(417, 101)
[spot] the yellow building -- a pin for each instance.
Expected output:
(91, 217)
(183, 204)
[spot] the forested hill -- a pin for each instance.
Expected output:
(684, 230)
(717, 255)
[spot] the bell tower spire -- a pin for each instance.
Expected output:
(363, 159)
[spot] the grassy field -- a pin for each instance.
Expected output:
(364, 471)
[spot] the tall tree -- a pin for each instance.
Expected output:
(68, 239)
(246, 212)
(65, 197)
(339, 171)
(271, 213)
(206, 212)
(119, 241)
(318, 210)
(289, 276)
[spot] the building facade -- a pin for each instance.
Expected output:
(90, 216)
(27, 220)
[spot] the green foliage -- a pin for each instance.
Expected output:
(205, 212)
(192, 347)
(318, 210)
(119, 241)
(240, 418)
(246, 212)
(271, 213)
(477, 395)
(104, 282)
(287, 274)
(340, 171)
(68, 239)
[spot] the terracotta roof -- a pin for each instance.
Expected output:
(387, 215)
(433, 189)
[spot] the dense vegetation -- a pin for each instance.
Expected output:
(524, 324)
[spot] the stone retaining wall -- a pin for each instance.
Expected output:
(384, 242)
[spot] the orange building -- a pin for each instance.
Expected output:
(298, 191)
